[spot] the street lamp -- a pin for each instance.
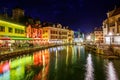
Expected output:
(110, 34)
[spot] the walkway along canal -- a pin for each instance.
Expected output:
(70, 62)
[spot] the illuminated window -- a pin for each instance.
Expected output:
(2, 29)
(10, 30)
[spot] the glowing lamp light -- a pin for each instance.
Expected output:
(110, 33)
(88, 37)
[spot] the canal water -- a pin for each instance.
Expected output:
(60, 63)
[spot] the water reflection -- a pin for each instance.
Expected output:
(89, 68)
(42, 58)
(67, 56)
(111, 73)
(56, 59)
(14, 69)
(4, 71)
(59, 63)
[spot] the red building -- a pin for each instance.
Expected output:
(34, 30)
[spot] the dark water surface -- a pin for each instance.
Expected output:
(60, 63)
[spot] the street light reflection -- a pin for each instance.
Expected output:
(89, 68)
(111, 74)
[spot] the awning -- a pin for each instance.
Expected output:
(5, 38)
(20, 38)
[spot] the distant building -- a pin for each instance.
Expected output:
(55, 33)
(98, 35)
(70, 36)
(92, 37)
(111, 27)
(78, 36)
(34, 31)
(17, 13)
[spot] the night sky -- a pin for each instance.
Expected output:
(77, 14)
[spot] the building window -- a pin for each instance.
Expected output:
(22, 31)
(104, 26)
(51, 31)
(19, 31)
(2, 28)
(10, 30)
(16, 30)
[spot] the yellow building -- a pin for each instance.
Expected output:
(56, 33)
(111, 27)
(8, 29)
(70, 36)
(9, 32)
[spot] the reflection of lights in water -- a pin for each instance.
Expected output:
(73, 54)
(5, 76)
(111, 74)
(50, 49)
(43, 70)
(67, 57)
(4, 71)
(45, 65)
(89, 68)
(43, 60)
(54, 49)
(58, 48)
(79, 51)
(56, 59)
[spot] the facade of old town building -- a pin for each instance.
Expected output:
(17, 13)
(111, 27)
(98, 35)
(32, 30)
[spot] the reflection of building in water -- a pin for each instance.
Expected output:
(89, 68)
(111, 73)
(17, 67)
(69, 55)
(42, 58)
(4, 71)
(14, 69)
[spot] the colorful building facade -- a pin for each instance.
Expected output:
(10, 32)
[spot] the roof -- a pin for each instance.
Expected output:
(116, 12)
(97, 29)
(18, 7)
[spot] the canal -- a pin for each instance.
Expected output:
(60, 63)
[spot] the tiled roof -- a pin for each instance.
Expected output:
(116, 12)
